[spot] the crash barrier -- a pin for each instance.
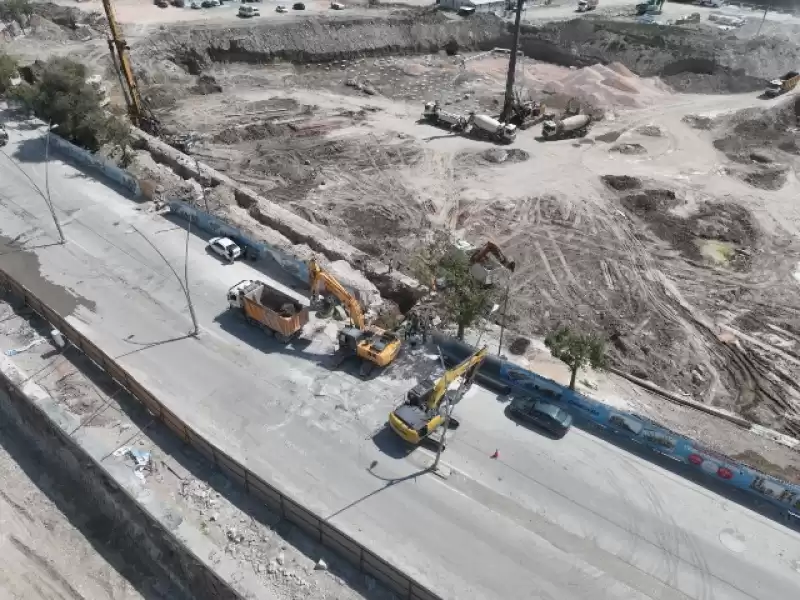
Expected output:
(312, 524)
(211, 224)
(634, 427)
(109, 169)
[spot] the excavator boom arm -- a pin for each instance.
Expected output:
(491, 248)
(318, 275)
(473, 361)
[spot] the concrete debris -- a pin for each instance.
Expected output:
(321, 565)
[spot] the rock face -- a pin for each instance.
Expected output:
(325, 39)
(684, 57)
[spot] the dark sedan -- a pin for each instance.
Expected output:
(545, 415)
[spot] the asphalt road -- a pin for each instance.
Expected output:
(576, 519)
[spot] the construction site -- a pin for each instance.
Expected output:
(643, 182)
(666, 227)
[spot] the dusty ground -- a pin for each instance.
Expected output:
(686, 268)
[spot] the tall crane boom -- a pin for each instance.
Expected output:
(120, 56)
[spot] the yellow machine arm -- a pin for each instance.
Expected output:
(119, 47)
(473, 361)
(318, 275)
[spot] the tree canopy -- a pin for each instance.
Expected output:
(576, 350)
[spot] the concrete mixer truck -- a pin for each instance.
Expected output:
(435, 115)
(574, 126)
(489, 127)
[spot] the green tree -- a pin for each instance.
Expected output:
(16, 10)
(576, 350)
(465, 298)
(8, 70)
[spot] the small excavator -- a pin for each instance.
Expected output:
(374, 346)
(423, 411)
(477, 260)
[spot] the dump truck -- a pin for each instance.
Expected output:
(491, 128)
(434, 114)
(276, 312)
(783, 84)
(574, 126)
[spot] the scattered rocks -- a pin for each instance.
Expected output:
(629, 148)
(206, 84)
(321, 565)
(766, 178)
(650, 131)
(622, 182)
(698, 122)
(519, 346)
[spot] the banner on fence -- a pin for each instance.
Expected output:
(655, 437)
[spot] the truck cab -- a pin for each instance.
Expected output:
(235, 293)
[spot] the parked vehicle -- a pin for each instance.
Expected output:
(574, 126)
(225, 247)
(539, 413)
(434, 114)
(491, 128)
(337, 6)
(298, 6)
(277, 313)
(3, 135)
(281, 8)
(179, 3)
(783, 84)
(587, 5)
(195, 4)
(247, 12)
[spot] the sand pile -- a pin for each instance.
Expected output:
(612, 86)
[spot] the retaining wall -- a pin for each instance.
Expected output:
(312, 524)
(109, 169)
(640, 430)
(135, 532)
(211, 224)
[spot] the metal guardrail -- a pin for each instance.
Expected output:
(312, 524)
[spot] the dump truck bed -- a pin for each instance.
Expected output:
(275, 310)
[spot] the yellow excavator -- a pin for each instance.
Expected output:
(374, 346)
(423, 413)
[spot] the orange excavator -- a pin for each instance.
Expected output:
(478, 262)
(374, 346)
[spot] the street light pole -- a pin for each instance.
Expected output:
(184, 287)
(48, 199)
(503, 318)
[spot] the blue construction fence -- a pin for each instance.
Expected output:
(643, 431)
(107, 168)
(211, 224)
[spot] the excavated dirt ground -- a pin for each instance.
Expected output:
(689, 265)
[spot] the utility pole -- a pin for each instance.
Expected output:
(512, 65)
(49, 200)
(503, 317)
(184, 286)
(764, 18)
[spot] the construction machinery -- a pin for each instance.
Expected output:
(649, 7)
(587, 5)
(783, 84)
(423, 412)
(275, 312)
(120, 55)
(481, 269)
(574, 126)
(374, 346)
(434, 114)
(490, 128)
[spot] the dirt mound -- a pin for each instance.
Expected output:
(604, 87)
(766, 178)
(724, 233)
(621, 182)
(629, 148)
(494, 156)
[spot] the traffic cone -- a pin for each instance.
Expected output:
(496, 454)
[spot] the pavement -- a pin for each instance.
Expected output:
(578, 518)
